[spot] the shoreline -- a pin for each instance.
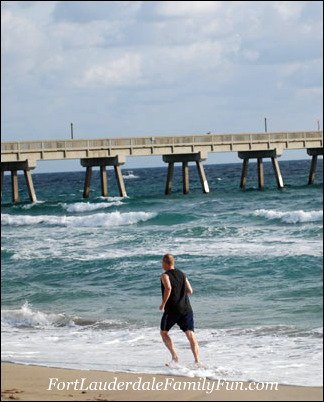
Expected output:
(32, 383)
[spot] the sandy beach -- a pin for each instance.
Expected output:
(35, 383)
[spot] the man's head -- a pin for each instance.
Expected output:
(168, 262)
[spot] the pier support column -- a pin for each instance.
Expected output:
(277, 171)
(115, 161)
(86, 189)
(2, 181)
(14, 167)
(14, 186)
(259, 155)
(120, 181)
(314, 153)
(202, 176)
(260, 174)
(30, 186)
(312, 172)
(185, 159)
(168, 187)
(244, 174)
(185, 178)
(103, 181)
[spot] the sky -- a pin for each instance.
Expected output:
(133, 68)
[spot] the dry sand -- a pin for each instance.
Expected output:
(31, 383)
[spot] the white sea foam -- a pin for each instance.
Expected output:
(95, 220)
(291, 216)
(29, 206)
(284, 354)
(111, 199)
(87, 206)
(130, 175)
(70, 246)
(25, 317)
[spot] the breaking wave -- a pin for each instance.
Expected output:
(87, 206)
(96, 220)
(291, 216)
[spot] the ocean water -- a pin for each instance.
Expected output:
(80, 279)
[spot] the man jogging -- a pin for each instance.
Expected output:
(176, 306)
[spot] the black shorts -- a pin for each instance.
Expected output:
(185, 321)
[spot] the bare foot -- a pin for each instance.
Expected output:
(173, 363)
(199, 365)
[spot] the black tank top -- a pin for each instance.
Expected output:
(178, 302)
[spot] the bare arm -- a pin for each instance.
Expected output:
(188, 288)
(167, 290)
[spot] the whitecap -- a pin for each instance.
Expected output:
(290, 216)
(96, 220)
(87, 206)
(26, 317)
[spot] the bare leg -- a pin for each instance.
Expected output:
(194, 344)
(169, 344)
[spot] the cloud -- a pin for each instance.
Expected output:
(86, 11)
(165, 65)
(117, 72)
(289, 10)
(186, 8)
(19, 35)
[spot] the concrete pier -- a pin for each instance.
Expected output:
(277, 171)
(120, 181)
(2, 181)
(185, 159)
(244, 174)
(103, 181)
(185, 177)
(202, 176)
(14, 186)
(115, 161)
(30, 185)
(103, 152)
(168, 187)
(14, 167)
(260, 174)
(260, 155)
(314, 153)
(86, 190)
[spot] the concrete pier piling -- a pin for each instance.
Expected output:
(30, 185)
(168, 187)
(185, 159)
(260, 174)
(87, 182)
(312, 171)
(115, 161)
(314, 153)
(185, 177)
(120, 181)
(260, 155)
(202, 176)
(13, 168)
(2, 181)
(14, 186)
(244, 174)
(103, 181)
(277, 172)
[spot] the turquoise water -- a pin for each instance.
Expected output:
(80, 279)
